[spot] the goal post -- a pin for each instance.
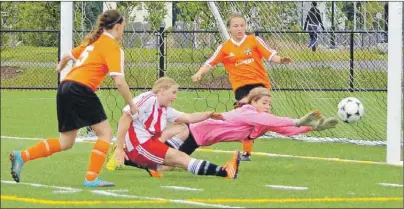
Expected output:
(394, 88)
(66, 33)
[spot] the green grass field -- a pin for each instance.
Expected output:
(57, 180)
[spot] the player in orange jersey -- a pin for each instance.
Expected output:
(78, 105)
(242, 57)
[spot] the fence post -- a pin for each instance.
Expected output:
(332, 23)
(160, 38)
(351, 63)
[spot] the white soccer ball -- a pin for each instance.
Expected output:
(350, 110)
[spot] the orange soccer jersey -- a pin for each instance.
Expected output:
(95, 61)
(243, 61)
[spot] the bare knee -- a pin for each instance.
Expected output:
(177, 159)
(184, 131)
(67, 139)
(105, 134)
(103, 131)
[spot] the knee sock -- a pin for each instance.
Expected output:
(174, 143)
(202, 167)
(247, 146)
(97, 158)
(41, 149)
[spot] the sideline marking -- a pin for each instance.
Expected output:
(182, 188)
(286, 187)
(233, 200)
(302, 157)
(390, 185)
(256, 153)
(59, 189)
(98, 192)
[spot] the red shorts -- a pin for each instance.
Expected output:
(149, 154)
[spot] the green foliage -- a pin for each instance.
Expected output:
(195, 12)
(32, 16)
(157, 11)
(126, 8)
(343, 11)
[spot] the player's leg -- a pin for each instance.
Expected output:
(42, 149)
(241, 97)
(202, 167)
(97, 157)
(68, 129)
(174, 135)
(188, 147)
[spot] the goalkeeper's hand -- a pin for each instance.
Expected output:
(308, 119)
(324, 124)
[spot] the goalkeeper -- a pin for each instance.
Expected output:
(248, 122)
(242, 57)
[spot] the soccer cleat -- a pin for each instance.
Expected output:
(245, 157)
(154, 173)
(98, 183)
(232, 165)
(16, 165)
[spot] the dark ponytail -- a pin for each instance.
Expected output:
(106, 21)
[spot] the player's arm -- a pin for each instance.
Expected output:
(123, 88)
(176, 116)
(63, 62)
(270, 54)
(115, 64)
(197, 117)
(72, 55)
(216, 58)
(123, 126)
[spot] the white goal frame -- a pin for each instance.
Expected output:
(395, 69)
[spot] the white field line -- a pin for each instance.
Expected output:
(302, 157)
(182, 188)
(186, 202)
(59, 189)
(254, 153)
(390, 185)
(287, 187)
(66, 190)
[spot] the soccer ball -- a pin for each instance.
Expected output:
(350, 110)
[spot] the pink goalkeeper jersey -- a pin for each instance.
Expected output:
(239, 124)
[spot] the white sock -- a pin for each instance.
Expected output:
(175, 142)
(194, 166)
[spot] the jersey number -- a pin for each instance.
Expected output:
(84, 55)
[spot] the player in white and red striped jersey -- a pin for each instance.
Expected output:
(141, 134)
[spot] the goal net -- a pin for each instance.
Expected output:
(175, 38)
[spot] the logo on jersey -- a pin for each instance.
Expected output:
(231, 55)
(247, 51)
(244, 62)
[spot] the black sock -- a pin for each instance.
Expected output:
(202, 167)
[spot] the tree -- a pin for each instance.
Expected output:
(126, 8)
(157, 11)
(39, 16)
